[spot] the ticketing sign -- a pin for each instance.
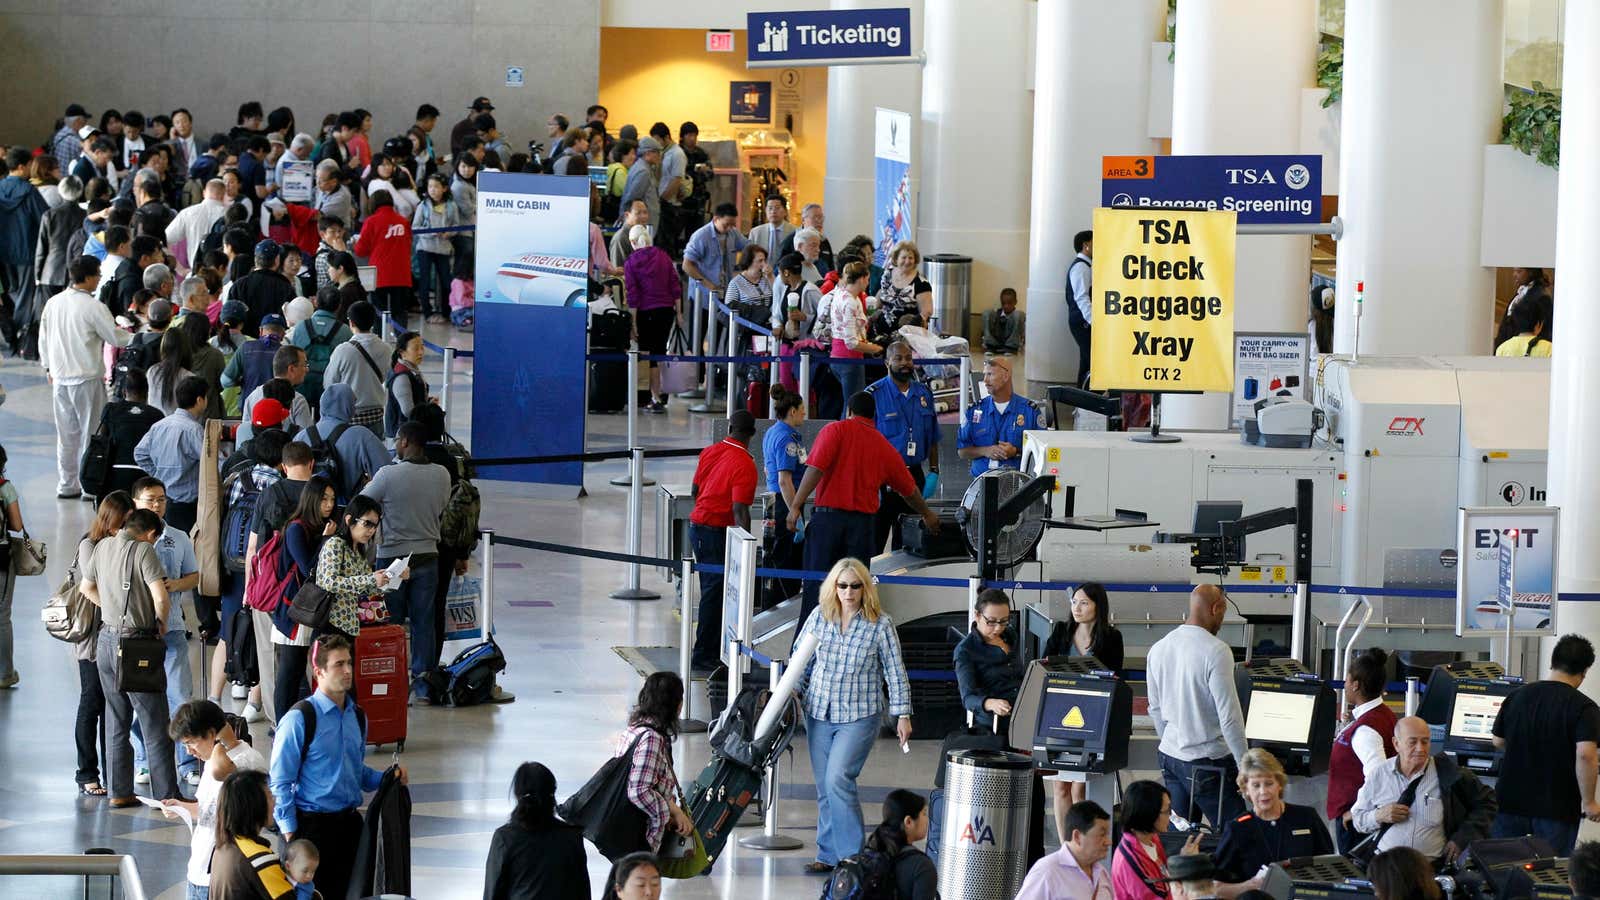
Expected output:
(827, 37)
(1162, 317)
(1262, 190)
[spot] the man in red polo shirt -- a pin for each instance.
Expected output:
(724, 488)
(848, 466)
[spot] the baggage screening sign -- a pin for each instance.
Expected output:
(1263, 190)
(1163, 300)
(531, 287)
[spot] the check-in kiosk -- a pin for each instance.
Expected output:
(1084, 720)
(1289, 712)
(1331, 876)
(1511, 869)
(1469, 733)
(1439, 694)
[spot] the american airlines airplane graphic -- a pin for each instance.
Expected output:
(539, 278)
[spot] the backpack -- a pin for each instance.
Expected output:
(868, 875)
(458, 525)
(469, 679)
(325, 459)
(99, 456)
(243, 667)
(236, 521)
(269, 577)
(213, 239)
(319, 351)
(143, 352)
(733, 734)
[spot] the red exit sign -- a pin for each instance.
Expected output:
(719, 41)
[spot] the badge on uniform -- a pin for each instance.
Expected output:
(1020, 420)
(793, 449)
(977, 415)
(924, 402)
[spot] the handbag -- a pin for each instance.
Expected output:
(678, 375)
(969, 738)
(461, 609)
(27, 555)
(311, 605)
(602, 809)
(141, 653)
(68, 615)
(682, 856)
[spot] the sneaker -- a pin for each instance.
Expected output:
(252, 713)
(69, 495)
(192, 777)
(141, 777)
(10, 681)
(657, 408)
(240, 692)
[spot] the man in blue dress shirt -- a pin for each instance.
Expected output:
(991, 435)
(172, 448)
(907, 419)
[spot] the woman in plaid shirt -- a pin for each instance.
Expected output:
(652, 785)
(858, 653)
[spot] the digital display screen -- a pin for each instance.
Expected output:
(1472, 718)
(1073, 715)
(1281, 718)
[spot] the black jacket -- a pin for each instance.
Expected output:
(542, 865)
(1108, 652)
(263, 293)
(55, 239)
(153, 218)
(1469, 804)
(383, 855)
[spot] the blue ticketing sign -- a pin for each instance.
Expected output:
(827, 36)
(1263, 190)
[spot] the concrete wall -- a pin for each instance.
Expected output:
(314, 56)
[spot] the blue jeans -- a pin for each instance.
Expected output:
(196, 892)
(432, 271)
(852, 380)
(1561, 836)
(838, 752)
(413, 602)
(179, 692)
(1209, 789)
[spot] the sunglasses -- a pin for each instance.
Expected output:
(367, 522)
(848, 585)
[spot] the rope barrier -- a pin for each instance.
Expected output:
(445, 229)
(759, 658)
(593, 456)
(792, 359)
(738, 320)
(461, 353)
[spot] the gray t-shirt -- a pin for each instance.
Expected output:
(122, 569)
(413, 495)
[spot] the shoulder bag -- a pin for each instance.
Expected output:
(602, 809)
(27, 555)
(141, 653)
(311, 605)
(68, 615)
(1362, 853)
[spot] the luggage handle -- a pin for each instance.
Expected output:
(994, 721)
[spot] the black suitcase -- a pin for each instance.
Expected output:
(608, 379)
(918, 541)
(718, 798)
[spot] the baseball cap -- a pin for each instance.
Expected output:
(276, 137)
(648, 143)
(75, 109)
(268, 249)
(87, 132)
(271, 320)
(160, 312)
(481, 104)
(267, 412)
(234, 311)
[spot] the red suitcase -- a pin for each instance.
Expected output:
(383, 682)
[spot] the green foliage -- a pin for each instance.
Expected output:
(1330, 72)
(1172, 28)
(1533, 123)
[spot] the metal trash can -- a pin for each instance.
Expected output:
(983, 846)
(950, 275)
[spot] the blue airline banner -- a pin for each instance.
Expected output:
(531, 334)
(1263, 190)
(827, 36)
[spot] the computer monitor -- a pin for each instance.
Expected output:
(1280, 717)
(1074, 717)
(1472, 717)
(1210, 514)
(1083, 720)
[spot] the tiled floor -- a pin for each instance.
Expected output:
(557, 627)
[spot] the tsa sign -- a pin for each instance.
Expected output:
(1484, 570)
(827, 36)
(1263, 190)
(514, 76)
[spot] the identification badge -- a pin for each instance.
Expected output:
(911, 448)
(1020, 420)
(1300, 831)
(977, 416)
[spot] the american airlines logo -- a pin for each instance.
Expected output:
(1405, 426)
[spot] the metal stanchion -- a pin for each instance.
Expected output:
(769, 838)
(712, 334)
(733, 350)
(444, 388)
(805, 382)
(633, 418)
(772, 381)
(630, 589)
(486, 538)
(687, 724)
(695, 331)
(966, 385)
(388, 329)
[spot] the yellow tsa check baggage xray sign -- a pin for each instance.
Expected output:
(1162, 315)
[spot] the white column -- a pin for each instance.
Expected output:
(1102, 51)
(1239, 69)
(975, 142)
(1411, 186)
(854, 92)
(1575, 374)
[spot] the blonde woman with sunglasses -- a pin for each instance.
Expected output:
(858, 655)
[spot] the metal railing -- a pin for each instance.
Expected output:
(118, 866)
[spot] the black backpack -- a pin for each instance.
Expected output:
(868, 875)
(325, 461)
(141, 353)
(94, 470)
(242, 665)
(733, 735)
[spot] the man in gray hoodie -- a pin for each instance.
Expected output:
(357, 452)
(362, 363)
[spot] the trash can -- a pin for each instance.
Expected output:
(950, 275)
(983, 846)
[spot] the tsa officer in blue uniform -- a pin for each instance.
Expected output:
(992, 434)
(907, 419)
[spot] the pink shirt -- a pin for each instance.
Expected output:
(1059, 877)
(1132, 865)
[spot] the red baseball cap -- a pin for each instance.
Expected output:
(267, 413)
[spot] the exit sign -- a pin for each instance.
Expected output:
(719, 41)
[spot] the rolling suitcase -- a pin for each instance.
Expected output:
(383, 682)
(608, 378)
(718, 798)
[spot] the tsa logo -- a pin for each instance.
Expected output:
(774, 39)
(1122, 200)
(1297, 176)
(977, 832)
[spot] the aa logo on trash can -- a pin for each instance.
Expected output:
(977, 832)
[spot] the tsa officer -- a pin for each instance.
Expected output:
(907, 420)
(992, 434)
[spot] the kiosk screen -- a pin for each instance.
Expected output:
(1073, 716)
(1472, 718)
(1280, 717)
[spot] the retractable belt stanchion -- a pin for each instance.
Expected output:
(486, 538)
(444, 389)
(695, 331)
(769, 838)
(966, 386)
(733, 350)
(709, 404)
(805, 382)
(772, 381)
(631, 590)
(687, 724)
(626, 478)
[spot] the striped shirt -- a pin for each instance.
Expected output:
(845, 679)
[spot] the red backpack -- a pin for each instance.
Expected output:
(267, 587)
